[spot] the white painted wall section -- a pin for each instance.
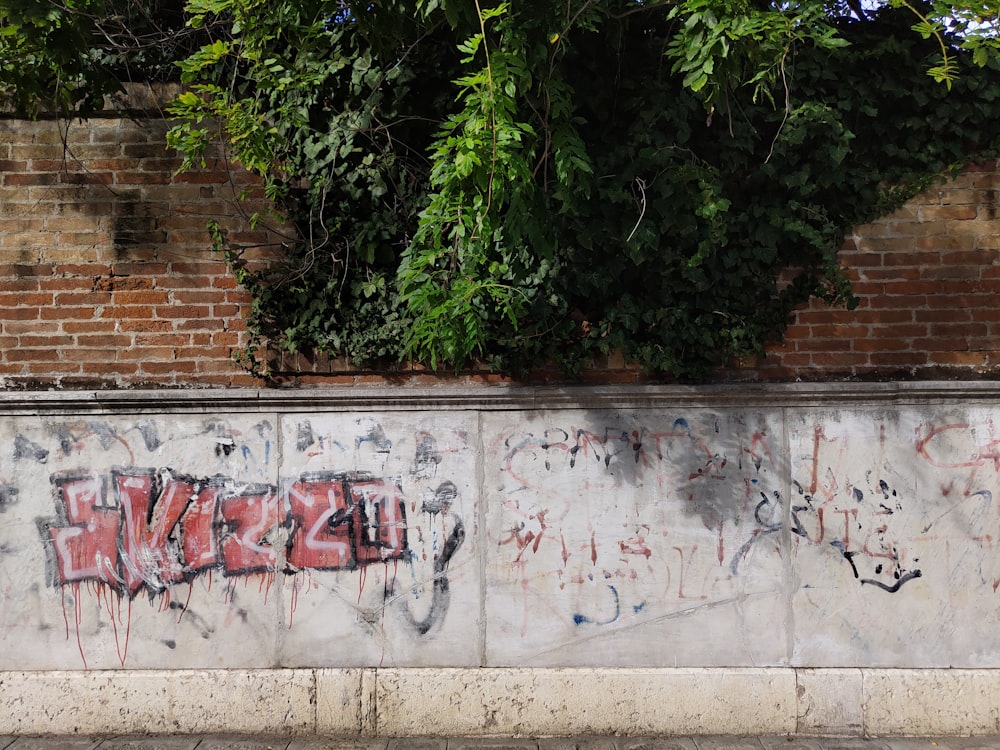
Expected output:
(502, 561)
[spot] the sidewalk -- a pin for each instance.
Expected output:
(225, 742)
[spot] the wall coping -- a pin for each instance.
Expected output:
(505, 702)
(502, 397)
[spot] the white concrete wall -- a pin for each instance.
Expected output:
(813, 559)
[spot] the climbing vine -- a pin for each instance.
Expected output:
(518, 183)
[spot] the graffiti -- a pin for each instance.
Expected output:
(24, 448)
(440, 505)
(967, 445)
(141, 530)
(8, 495)
(854, 519)
(626, 520)
(625, 515)
(154, 529)
(604, 527)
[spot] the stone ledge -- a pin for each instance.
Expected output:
(366, 703)
(496, 398)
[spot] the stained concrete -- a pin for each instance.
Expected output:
(502, 561)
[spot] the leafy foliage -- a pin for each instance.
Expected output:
(524, 182)
(66, 56)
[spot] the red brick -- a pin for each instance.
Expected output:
(199, 178)
(226, 338)
(80, 354)
(187, 312)
(22, 270)
(53, 339)
(912, 258)
(958, 315)
(898, 359)
(894, 273)
(142, 178)
(24, 299)
(986, 343)
(64, 312)
(148, 268)
(901, 301)
(83, 298)
(81, 269)
(823, 345)
(958, 329)
(959, 358)
(888, 344)
(88, 178)
(989, 314)
(88, 327)
(198, 296)
(898, 330)
(969, 258)
(903, 288)
(65, 284)
(178, 282)
(941, 343)
(140, 297)
(21, 354)
(207, 324)
(122, 283)
(107, 341)
(971, 286)
(143, 353)
(843, 362)
(162, 339)
(966, 301)
(835, 317)
(199, 268)
(792, 359)
(867, 288)
(127, 312)
(224, 282)
(204, 352)
(31, 178)
(172, 367)
(840, 331)
(109, 368)
(145, 325)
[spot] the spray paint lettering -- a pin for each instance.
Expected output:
(139, 529)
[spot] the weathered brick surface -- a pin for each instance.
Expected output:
(928, 282)
(107, 278)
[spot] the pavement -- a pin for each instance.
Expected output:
(232, 742)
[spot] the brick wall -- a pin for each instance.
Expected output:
(928, 281)
(107, 278)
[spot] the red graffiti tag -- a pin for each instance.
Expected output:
(154, 529)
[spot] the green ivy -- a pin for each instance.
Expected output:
(519, 183)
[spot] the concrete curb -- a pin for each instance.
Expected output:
(367, 703)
